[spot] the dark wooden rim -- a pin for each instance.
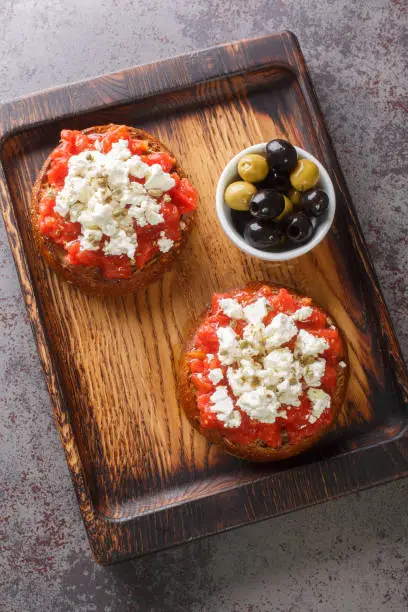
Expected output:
(113, 540)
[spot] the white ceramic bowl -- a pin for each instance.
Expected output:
(230, 174)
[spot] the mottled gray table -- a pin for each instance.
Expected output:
(345, 555)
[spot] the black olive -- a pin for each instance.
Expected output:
(266, 204)
(298, 228)
(281, 155)
(314, 202)
(276, 179)
(240, 219)
(264, 236)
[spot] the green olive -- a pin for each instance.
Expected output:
(239, 194)
(253, 168)
(294, 196)
(288, 209)
(305, 175)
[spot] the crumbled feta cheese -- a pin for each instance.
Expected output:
(343, 364)
(309, 346)
(215, 375)
(99, 194)
(90, 240)
(264, 377)
(244, 378)
(120, 244)
(279, 331)
(253, 340)
(314, 372)
(304, 313)
(260, 404)
(288, 393)
(320, 401)
(228, 346)
(164, 243)
(182, 224)
(255, 313)
(210, 356)
(231, 308)
(158, 180)
(223, 406)
(279, 359)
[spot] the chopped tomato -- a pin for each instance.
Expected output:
(166, 161)
(171, 221)
(144, 253)
(119, 133)
(207, 339)
(137, 147)
(284, 302)
(82, 143)
(201, 383)
(185, 196)
(46, 206)
(57, 172)
(209, 419)
(82, 258)
(329, 379)
(58, 229)
(196, 365)
(116, 266)
(332, 337)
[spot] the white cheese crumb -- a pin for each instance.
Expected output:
(231, 308)
(228, 347)
(343, 364)
(255, 313)
(260, 404)
(90, 240)
(314, 372)
(288, 393)
(121, 244)
(279, 331)
(158, 180)
(223, 407)
(216, 375)
(320, 401)
(164, 243)
(309, 346)
(304, 313)
(210, 356)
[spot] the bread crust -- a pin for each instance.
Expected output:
(91, 279)
(255, 451)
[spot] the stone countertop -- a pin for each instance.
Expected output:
(350, 554)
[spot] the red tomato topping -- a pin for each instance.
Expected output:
(166, 161)
(185, 196)
(137, 147)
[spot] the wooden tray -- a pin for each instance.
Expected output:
(144, 479)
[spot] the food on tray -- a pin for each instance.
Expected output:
(238, 195)
(280, 192)
(264, 373)
(253, 168)
(111, 208)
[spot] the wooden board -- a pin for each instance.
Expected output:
(144, 479)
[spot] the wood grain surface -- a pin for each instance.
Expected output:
(144, 478)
